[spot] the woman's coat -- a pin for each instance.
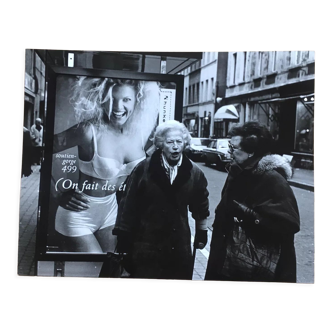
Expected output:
(155, 213)
(262, 186)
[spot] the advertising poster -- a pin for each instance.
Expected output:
(103, 128)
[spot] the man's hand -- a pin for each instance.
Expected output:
(201, 239)
(73, 200)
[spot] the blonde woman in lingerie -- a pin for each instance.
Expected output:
(115, 119)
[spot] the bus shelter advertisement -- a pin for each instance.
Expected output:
(103, 127)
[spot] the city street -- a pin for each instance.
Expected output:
(304, 240)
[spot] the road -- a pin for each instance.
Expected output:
(304, 240)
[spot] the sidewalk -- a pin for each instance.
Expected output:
(202, 256)
(302, 178)
(28, 223)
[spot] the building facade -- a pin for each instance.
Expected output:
(204, 83)
(276, 89)
(34, 88)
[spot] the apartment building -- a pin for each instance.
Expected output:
(277, 89)
(201, 86)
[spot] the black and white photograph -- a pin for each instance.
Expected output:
(168, 165)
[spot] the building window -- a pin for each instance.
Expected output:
(298, 57)
(244, 66)
(219, 129)
(253, 59)
(260, 64)
(212, 89)
(234, 68)
(265, 63)
(189, 98)
(202, 91)
(207, 57)
(305, 126)
(305, 55)
(274, 63)
(206, 89)
(197, 90)
(288, 58)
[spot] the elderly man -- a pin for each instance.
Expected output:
(36, 135)
(152, 224)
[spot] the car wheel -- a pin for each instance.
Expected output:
(207, 163)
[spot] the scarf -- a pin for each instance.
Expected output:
(171, 171)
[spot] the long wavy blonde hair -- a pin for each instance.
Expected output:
(90, 99)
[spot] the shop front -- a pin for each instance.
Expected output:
(225, 117)
(291, 122)
(29, 101)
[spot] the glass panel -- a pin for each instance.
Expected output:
(304, 127)
(222, 144)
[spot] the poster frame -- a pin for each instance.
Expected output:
(52, 73)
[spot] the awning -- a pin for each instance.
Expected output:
(285, 98)
(227, 112)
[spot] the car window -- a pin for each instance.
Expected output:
(210, 145)
(200, 141)
(222, 144)
(205, 141)
(196, 141)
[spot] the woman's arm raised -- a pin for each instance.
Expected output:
(77, 135)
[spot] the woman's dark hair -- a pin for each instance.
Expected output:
(256, 138)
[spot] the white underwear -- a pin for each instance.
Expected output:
(101, 214)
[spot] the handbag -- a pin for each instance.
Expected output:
(113, 266)
(249, 257)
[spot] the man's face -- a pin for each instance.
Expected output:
(38, 123)
(173, 146)
(235, 150)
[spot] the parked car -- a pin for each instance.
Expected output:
(217, 153)
(195, 150)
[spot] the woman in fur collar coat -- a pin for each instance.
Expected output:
(257, 200)
(152, 225)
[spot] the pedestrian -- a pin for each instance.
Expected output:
(26, 153)
(114, 120)
(36, 135)
(152, 224)
(257, 217)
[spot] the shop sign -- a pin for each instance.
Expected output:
(29, 82)
(28, 98)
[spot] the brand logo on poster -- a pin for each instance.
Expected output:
(167, 105)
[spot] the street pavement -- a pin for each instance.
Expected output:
(304, 240)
